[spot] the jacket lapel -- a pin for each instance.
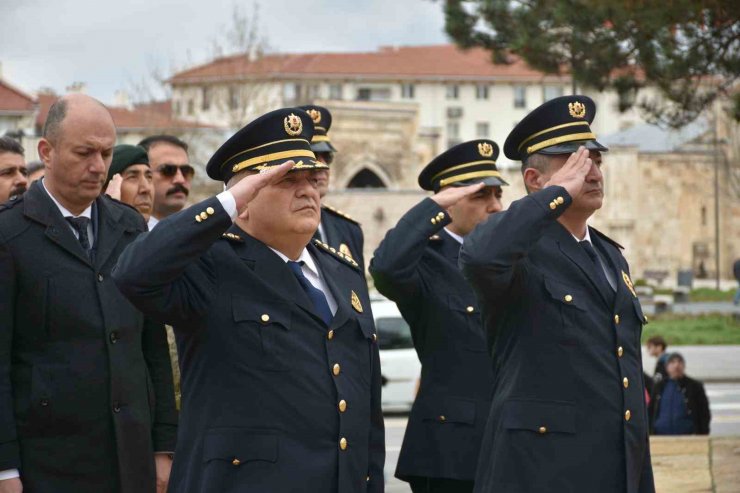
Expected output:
(330, 273)
(450, 247)
(38, 206)
(109, 231)
(575, 253)
(272, 271)
(616, 266)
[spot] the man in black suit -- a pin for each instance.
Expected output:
(416, 266)
(280, 366)
(563, 323)
(86, 396)
(336, 228)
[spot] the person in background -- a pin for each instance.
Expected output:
(173, 175)
(336, 228)
(680, 405)
(13, 171)
(656, 347)
(130, 178)
(86, 397)
(416, 266)
(36, 171)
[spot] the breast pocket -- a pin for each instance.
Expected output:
(469, 332)
(262, 331)
(562, 318)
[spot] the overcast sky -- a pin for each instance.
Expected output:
(110, 45)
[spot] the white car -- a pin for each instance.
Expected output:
(399, 365)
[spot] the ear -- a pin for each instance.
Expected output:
(532, 180)
(45, 150)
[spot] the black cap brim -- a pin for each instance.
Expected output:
(570, 147)
(317, 147)
(489, 181)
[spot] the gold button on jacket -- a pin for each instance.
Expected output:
(336, 369)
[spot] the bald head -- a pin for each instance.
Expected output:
(75, 105)
(77, 147)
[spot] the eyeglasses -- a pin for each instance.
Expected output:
(170, 170)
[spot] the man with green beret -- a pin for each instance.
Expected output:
(130, 178)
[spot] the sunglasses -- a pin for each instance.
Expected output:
(170, 170)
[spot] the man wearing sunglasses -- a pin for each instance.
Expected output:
(13, 172)
(168, 158)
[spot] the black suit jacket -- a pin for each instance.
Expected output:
(697, 404)
(566, 357)
(420, 274)
(86, 392)
(269, 392)
(343, 233)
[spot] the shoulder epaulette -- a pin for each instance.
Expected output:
(606, 238)
(233, 237)
(336, 253)
(339, 213)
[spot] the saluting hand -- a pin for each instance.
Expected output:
(572, 176)
(13, 485)
(114, 187)
(248, 187)
(452, 195)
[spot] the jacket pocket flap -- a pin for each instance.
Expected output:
(263, 312)
(452, 411)
(240, 445)
(539, 416)
(565, 294)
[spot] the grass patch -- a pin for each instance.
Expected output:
(707, 294)
(682, 330)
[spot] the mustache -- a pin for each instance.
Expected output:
(19, 190)
(178, 188)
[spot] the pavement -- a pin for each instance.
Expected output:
(680, 464)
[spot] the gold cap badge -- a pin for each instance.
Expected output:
(577, 109)
(628, 282)
(356, 302)
(315, 115)
(293, 125)
(485, 149)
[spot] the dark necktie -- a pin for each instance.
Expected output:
(317, 297)
(601, 280)
(80, 225)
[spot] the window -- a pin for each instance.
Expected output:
(703, 215)
(233, 98)
(482, 130)
(191, 107)
(407, 91)
(206, 98)
(374, 94)
(335, 91)
(177, 108)
(453, 133)
(453, 91)
(454, 112)
(520, 97)
(314, 92)
(290, 93)
(551, 92)
(481, 91)
(365, 179)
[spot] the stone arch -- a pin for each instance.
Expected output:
(366, 175)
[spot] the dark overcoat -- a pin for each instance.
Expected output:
(86, 391)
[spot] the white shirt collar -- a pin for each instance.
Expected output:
(456, 236)
(305, 257)
(65, 213)
(585, 238)
(152, 222)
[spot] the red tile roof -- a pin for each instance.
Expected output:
(408, 62)
(13, 100)
(155, 115)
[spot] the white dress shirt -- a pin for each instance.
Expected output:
(152, 222)
(65, 213)
(607, 272)
(456, 236)
(309, 267)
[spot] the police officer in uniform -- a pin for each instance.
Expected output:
(336, 228)
(280, 366)
(563, 322)
(416, 266)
